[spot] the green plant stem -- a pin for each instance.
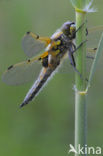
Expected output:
(80, 99)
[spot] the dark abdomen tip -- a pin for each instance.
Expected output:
(23, 104)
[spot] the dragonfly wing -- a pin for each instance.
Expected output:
(33, 44)
(94, 35)
(64, 66)
(95, 29)
(22, 72)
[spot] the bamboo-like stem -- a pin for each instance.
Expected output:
(80, 98)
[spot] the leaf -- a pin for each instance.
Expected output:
(93, 68)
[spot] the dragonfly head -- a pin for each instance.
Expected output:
(69, 29)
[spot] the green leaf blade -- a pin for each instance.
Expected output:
(97, 56)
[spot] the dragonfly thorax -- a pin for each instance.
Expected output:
(64, 44)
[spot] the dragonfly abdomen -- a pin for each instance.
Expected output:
(44, 76)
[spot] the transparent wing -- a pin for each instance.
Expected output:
(93, 36)
(22, 72)
(65, 66)
(95, 29)
(33, 44)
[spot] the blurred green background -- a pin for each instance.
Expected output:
(46, 125)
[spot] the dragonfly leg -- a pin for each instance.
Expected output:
(76, 48)
(86, 31)
(81, 44)
(72, 62)
(81, 27)
(71, 58)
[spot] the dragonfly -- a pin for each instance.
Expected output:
(42, 67)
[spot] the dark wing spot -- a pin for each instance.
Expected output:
(10, 67)
(95, 48)
(39, 58)
(28, 60)
(28, 33)
(37, 37)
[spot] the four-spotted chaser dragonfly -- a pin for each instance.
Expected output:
(57, 48)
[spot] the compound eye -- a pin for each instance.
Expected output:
(72, 29)
(68, 28)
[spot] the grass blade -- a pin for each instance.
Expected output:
(93, 68)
